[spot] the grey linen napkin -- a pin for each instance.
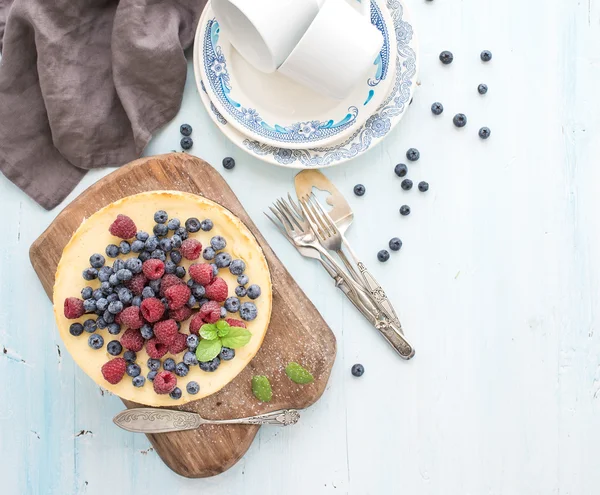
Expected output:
(85, 84)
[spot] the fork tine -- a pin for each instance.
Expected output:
(291, 215)
(295, 206)
(324, 227)
(282, 218)
(311, 220)
(325, 216)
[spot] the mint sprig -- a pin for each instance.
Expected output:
(218, 335)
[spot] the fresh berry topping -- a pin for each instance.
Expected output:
(151, 244)
(241, 291)
(210, 312)
(254, 291)
(113, 370)
(413, 154)
(76, 329)
(156, 349)
(217, 290)
(210, 366)
(232, 304)
(160, 230)
(437, 108)
(179, 344)
(90, 326)
(152, 309)
(186, 143)
(189, 357)
(90, 274)
(218, 243)
(176, 392)
(138, 381)
(237, 267)
(406, 184)
(192, 388)
(153, 364)
(192, 225)
(123, 227)
(137, 283)
(201, 273)
(195, 323)
(248, 311)
(223, 260)
(152, 375)
(446, 57)
(176, 255)
(207, 225)
(73, 308)
(147, 331)
(174, 224)
(423, 186)
(115, 306)
(112, 251)
(161, 216)
(169, 364)
(130, 356)
(383, 255)
(132, 340)
(358, 370)
(235, 323)
(191, 249)
(164, 382)
(96, 341)
(113, 328)
(395, 244)
(401, 170)
(359, 190)
(228, 163)
(165, 331)
(168, 281)
(131, 318)
(192, 342)
(97, 260)
(243, 280)
(124, 247)
(133, 369)
(227, 354)
(177, 296)
(182, 369)
(153, 269)
(137, 246)
(208, 253)
(181, 314)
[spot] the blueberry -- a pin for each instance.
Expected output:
(228, 163)
(90, 274)
(232, 304)
(176, 392)
(359, 190)
(404, 210)
(160, 229)
(222, 260)
(151, 244)
(115, 307)
(151, 375)
(104, 273)
(446, 57)
(161, 216)
(413, 154)
(192, 388)
(124, 247)
(130, 356)
(180, 271)
(210, 366)
(76, 329)
(89, 305)
(95, 341)
(166, 244)
(218, 243)
(395, 244)
(147, 292)
(185, 129)
(192, 301)
(206, 225)
(406, 184)
(192, 341)
(90, 326)
(112, 251)
(133, 265)
(98, 294)
(437, 108)
(133, 369)
(143, 236)
(242, 279)
(486, 55)
(155, 285)
(125, 295)
(138, 381)
(86, 292)
(170, 267)
(248, 311)
(147, 331)
(186, 142)
(423, 186)
(144, 256)
(113, 280)
(102, 304)
(189, 359)
(100, 323)
(237, 267)
(182, 233)
(240, 291)
(136, 301)
(175, 256)
(153, 364)
(114, 328)
(383, 255)
(223, 313)
(481, 89)
(174, 224)
(112, 297)
(114, 347)
(227, 354)
(158, 254)
(176, 241)
(358, 370)
(198, 291)
(254, 291)
(215, 269)
(484, 132)
(97, 260)
(181, 369)
(169, 364)
(401, 170)
(124, 275)
(208, 253)
(108, 317)
(460, 120)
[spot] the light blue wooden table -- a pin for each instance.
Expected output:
(497, 285)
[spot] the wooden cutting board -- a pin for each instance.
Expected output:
(297, 331)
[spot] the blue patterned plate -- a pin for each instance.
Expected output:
(375, 129)
(277, 111)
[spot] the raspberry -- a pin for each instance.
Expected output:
(196, 323)
(113, 370)
(177, 296)
(191, 249)
(235, 323)
(73, 308)
(201, 273)
(153, 269)
(118, 318)
(164, 382)
(137, 284)
(210, 312)
(152, 309)
(123, 227)
(132, 340)
(180, 314)
(156, 349)
(131, 317)
(165, 331)
(179, 344)
(169, 280)
(217, 290)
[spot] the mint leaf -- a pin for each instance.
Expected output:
(208, 331)
(261, 388)
(298, 374)
(222, 328)
(208, 349)
(237, 337)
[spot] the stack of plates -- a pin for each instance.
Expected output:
(281, 122)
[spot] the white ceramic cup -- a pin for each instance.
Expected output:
(265, 32)
(337, 50)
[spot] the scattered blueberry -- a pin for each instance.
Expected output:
(407, 184)
(95, 341)
(182, 233)
(383, 255)
(218, 243)
(206, 225)
(104, 273)
(192, 225)
(143, 236)
(413, 154)
(100, 323)
(170, 267)
(482, 89)
(124, 247)
(248, 311)
(484, 132)
(125, 295)
(180, 271)
(133, 369)
(228, 163)
(192, 388)
(152, 375)
(358, 370)
(87, 292)
(176, 392)
(158, 254)
(98, 294)
(227, 354)
(115, 306)
(222, 260)
(155, 285)
(138, 381)
(223, 312)
(89, 305)
(176, 241)
(186, 143)
(90, 325)
(133, 265)
(242, 279)
(460, 120)
(192, 342)
(175, 256)
(112, 251)
(102, 304)
(147, 292)
(198, 291)
(113, 328)
(232, 304)
(253, 291)
(189, 358)
(181, 369)
(359, 190)
(240, 291)
(166, 244)
(136, 301)
(446, 57)
(114, 347)
(208, 253)
(147, 331)
(113, 280)
(237, 267)
(76, 329)
(404, 210)
(185, 129)
(151, 244)
(108, 317)
(153, 364)
(160, 229)
(401, 170)
(97, 260)
(112, 297)
(174, 224)
(192, 301)
(423, 186)
(210, 366)
(395, 244)
(124, 275)
(486, 55)
(169, 364)
(144, 256)
(90, 274)
(437, 108)
(215, 269)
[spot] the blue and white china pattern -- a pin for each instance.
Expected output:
(215, 67)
